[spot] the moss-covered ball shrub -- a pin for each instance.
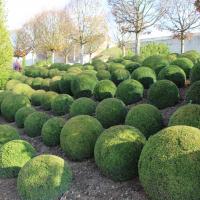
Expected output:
(185, 64)
(51, 131)
(74, 70)
(22, 88)
(45, 177)
(83, 106)
(111, 112)
(130, 65)
(117, 152)
(104, 89)
(193, 55)
(11, 84)
(79, 135)
(21, 115)
(103, 75)
(120, 75)
(11, 104)
(169, 164)
(174, 74)
(13, 156)
(47, 100)
(163, 94)
(188, 115)
(61, 104)
(193, 93)
(37, 96)
(114, 66)
(54, 84)
(46, 84)
(195, 73)
(8, 133)
(83, 85)
(145, 117)
(34, 122)
(144, 75)
(99, 64)
(53, 72)
(3, 95)
(130, 91)
(36, 83)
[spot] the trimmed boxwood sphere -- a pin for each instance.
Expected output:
(21, 115)
(11, 104)
(163, 94)
(45, 177)
(193, 93)
(104, 89)
(114, 66)
(147, 118)
(51, 131)
(103, 75)
(34, 122)
(188, 115)
(130, 91)
(37, 96)
(193, 55)
(45, 84)
(8, 133)
(169, 165)
(11, 84)
(54, 84)
(195, 73)
(117, 152)
(130, 65)
(79, 135)
(22, 88)
(83, 106)
(47, 100)
(111, 112)
(174, 74)
(120, 75)
(13, 156)
(3, 95)
(144, 75)
(36, 83)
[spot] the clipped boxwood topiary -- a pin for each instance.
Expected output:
(46, 84)
(104, 89)
(130, 65)
(117, 152)
(193, 93)
(114, 66)
(21, 115)
(111, 112)
(37, 96)
(22, 88)
(61, 104)
(45, 177)
(147, 118)
(34, 122)
(11, 104)
(54, 84)
(195, 73)
(13, 156)
(99, 64)
(47, 100)
(120, 75)
(53, 72)
(188, 115)
(174, 74)
(51, 131)
(103, 75)
(37, 83)
(130, 91)
(169, 164)
(3, 95)
(193, 55)
(144, 75)
(163, 94)
(11, 84)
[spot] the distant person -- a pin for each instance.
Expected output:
(17, 66)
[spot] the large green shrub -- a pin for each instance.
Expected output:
(3, 95)
(169, 165)
(54, 84)
(99, 64)
(79, 135)
(103, 75)
(53, 72)
(22, 88)
(37, 96)
(47, 100)
(193, 93)
(45, 85)
(130, 65)
(120, 75)
(45, 177)
(114, 66)
(37, 83)
(5, 75)
(193, 55)
(147, 118)
(117, 152)
(195, 73)
(11, 84)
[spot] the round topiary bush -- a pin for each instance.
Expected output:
(37, 83)
(147, 118)
(120, 75)
(34, 122)
(61, 104)
(144, 75)
(37, 96)
(53, 72)
(104, 89)
(117, 152)
(83, 85)
(22, 88)
(51, 131)
(114, 66)
(195, 73)
(174, 74)
(130, 65)
(193, 93)
(13, 156)
(99, 64)
(45, 177)
(188, 115)
(185, 64)
(130, 91)
(83, 106)
(8, 133)
(163, 94)
(54, 84)
(21, 115)
(193, 55)
(103, 75)
(3, 95)
(46, 84)
(11, 104)
(79, 135)
(11, 84)
(111, 112)
(169, 164)
(47, 100)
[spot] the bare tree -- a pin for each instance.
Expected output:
(181, 18)
(137, 15)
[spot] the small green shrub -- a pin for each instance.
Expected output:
(11, 84)
(47, 100)
(37, 83)
(195, 73)
(113, 66)
(193, 55)
(193, 93)
(4, 94)
(103, 75)
(22, 88)
(37, 96)
(130, 65)
(53, 72)
(45, 85)
(54, 84)
(99, 65)
(120, 75)
(65, 83)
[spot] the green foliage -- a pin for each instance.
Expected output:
(37, 97)
(114, 66)
(43, 63)
(13, 156)
(195, 73)
(5, 75)
(169, 164)
(11, 84)
(3, 95)
(47, 100)
(130, 65)
(53, 72)
(24, 89)
(147, 118)
(54, 84)
(51, 131)
(193, 93)
(163, 94)
(99, 65)
(193, 55)
(37, 83)
(117, 152)
(103, 75)
(45, 84)
(120, 75)
(45, 177)
(79, 135)
(111, 112)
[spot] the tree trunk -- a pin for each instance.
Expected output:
(66, 59)
(124, 50)
(74, 56)
(137, 43)
(53, 57)
(82, 54)
(90, 58)
(33, 57)
(182, 45)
